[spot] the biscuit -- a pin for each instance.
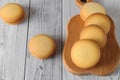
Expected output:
(42, 46)
(95, 33)
(12, 13)
(99, 19)
(85, 53)
(90, 8)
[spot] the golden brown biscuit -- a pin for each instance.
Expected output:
(12, 13)
(91, 8)
(95, 33)
(99, 19)
(41, 46)
(85, 53)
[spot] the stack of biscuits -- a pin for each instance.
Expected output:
(85, 53)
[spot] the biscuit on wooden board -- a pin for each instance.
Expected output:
(95, 33)
(99, 19)
(85, 53)
(90, 8)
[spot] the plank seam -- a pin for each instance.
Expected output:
(27, 40)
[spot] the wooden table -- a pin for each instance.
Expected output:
(44, 17)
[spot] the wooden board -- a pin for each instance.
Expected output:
(110, 54)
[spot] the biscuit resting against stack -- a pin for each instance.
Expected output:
(91, 8)
(85, 53)
(12, 13)
(94, 33)
(42, 46)
(100, 20)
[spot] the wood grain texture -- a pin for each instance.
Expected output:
(45, 18)
(13, 46)
(112, 8)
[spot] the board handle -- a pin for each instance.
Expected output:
(80, 3)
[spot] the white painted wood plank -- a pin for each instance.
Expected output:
(13, 46)
(45, 18)
(113, 9)
(69, 10)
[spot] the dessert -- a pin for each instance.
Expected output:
(85, 53)
(95, 33)
(12, 13)
(99, 19)
(90, 8)
(42, 46)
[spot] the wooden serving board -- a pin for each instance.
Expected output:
(110, 54)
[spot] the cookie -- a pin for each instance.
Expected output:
(90, 8)
(95, 33)
(12, 13)
(85, 53)
(42, 46)
(99, 19)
